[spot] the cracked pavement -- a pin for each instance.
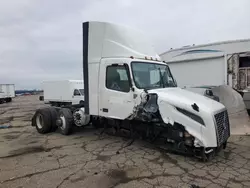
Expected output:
(83, 159)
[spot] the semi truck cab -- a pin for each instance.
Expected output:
(134, 84)
(126, 83)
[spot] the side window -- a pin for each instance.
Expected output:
(117, 78)
(76, 92)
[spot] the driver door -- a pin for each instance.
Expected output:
(116, 97)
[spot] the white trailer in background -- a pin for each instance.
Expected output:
(7, 92)
(63, 92)
(220, 66)
(221, 63)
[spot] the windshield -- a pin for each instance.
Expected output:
(81, 91)
(152, 75)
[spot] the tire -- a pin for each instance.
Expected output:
(42, 120)
(10, 99)
(54, 115)
(33, 121)
(66, 117)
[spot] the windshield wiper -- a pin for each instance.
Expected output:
(161, 77)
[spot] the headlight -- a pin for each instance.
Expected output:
(191, 115)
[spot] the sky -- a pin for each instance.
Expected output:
(41, 39)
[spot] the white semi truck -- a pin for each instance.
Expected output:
(7, 92)
(63, 92)
(127, 87)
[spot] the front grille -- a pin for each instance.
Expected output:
(222, 126)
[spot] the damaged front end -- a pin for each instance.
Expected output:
(171, 127)
(147, 110)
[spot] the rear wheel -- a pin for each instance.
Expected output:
(42, 120)
(53, 113)
(65, 121)
(8, 99)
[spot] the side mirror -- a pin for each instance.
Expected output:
(209, 92)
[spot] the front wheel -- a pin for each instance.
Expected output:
(65, 121)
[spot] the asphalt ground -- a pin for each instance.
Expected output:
(84, 159)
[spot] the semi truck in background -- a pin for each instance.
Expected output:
(7, 92)
(127, 88)
(63, 92)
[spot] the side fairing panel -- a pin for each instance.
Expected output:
(108, 40)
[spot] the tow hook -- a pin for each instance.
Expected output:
(207, 155)
(209, 151)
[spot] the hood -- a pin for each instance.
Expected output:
(184, 99)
